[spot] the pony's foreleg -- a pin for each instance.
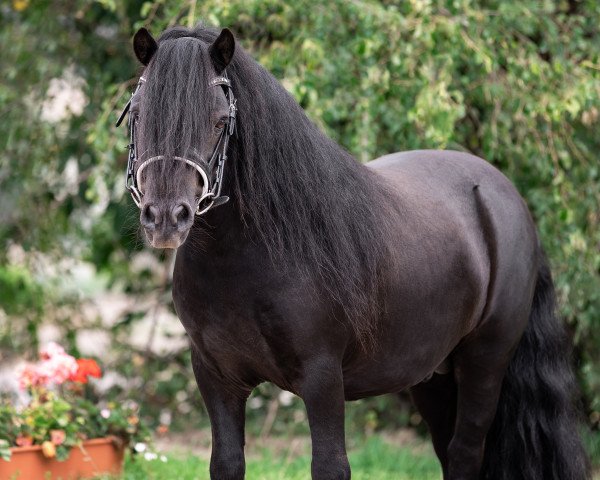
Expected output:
(479, 368)
(436, 401)
(226, 409)
(322, 390)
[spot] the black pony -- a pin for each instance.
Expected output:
(336, 281)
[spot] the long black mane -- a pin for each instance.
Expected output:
(306, 198)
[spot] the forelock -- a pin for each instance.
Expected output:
(177, 100)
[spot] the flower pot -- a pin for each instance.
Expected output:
(94, 457)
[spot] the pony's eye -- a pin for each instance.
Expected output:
(220, 125)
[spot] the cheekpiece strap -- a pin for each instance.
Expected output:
(128, 106)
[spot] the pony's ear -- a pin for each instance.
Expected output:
(144, 46)
(221, 50)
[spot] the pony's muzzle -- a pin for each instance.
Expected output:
(167, 225)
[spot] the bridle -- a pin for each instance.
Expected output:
(211, 184)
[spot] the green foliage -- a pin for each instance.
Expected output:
(18, 291)
(516, 82)
(4, 450)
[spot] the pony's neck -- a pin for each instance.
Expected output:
(282, 132)
(281, 160)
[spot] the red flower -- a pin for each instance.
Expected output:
(162, 429)
(86, 367)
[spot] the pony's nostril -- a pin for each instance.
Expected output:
(155, 214)
(181, 215)
(150, 216)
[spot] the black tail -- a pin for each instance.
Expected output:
(535, 433)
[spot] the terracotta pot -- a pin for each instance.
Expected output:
(94, 457)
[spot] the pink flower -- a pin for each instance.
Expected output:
(57, 437)
(29, 377)
(50, 350)
(55, 367)
(58, 368)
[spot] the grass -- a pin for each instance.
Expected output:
(374, 460)
(379, 457)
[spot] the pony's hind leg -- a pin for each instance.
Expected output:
(480, 364)
(436, 401)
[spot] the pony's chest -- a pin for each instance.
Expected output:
(237, 330)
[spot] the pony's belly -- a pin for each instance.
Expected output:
(357, 391)
(379, 379)
(409, 353)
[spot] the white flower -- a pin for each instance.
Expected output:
(51, 349)
(286, 398)
(165, 417)
(65, 97)
(255, 402)
(131, 404)
(105, 413)
(150, 456)
(140, 447)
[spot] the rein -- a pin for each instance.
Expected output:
(211, 185)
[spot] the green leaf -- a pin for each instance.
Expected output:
(5, 452)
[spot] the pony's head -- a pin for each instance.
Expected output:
(181, 116)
